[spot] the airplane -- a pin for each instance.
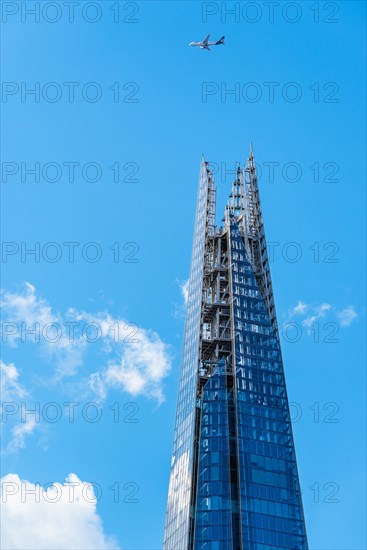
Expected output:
(204, 45)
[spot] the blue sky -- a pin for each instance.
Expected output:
(157, 140)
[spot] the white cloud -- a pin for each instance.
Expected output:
(141, 359)
(347, 316)
(12, 391)
(141, 367)
(62, 517)
(26, 311)
(10, 387)
(135, 359)
(299, 309)
(97, 386)
(320, 311)
(19, 433)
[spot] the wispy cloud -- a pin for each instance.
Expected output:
(298, 309)
(320, 312)
(140, 359)
(27, 311)
(12, 393)
(347, 316)
(312, 313)
(19, 433)
(135, 359)
(11, 388)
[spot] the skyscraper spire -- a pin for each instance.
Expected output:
(234, 482)
(255, 240)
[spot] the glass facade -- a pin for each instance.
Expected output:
(213, 508)
(234, 482)
(179, 493)
(271, 506)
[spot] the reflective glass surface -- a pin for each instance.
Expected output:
(178, 505)
(213, 507)
(271, 507)
(242, 458)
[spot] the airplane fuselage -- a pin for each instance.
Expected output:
(202, 45)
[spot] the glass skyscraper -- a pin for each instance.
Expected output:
(233, 482)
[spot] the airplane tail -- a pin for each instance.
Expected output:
(220, 41)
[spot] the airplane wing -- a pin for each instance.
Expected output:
(205, 41)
